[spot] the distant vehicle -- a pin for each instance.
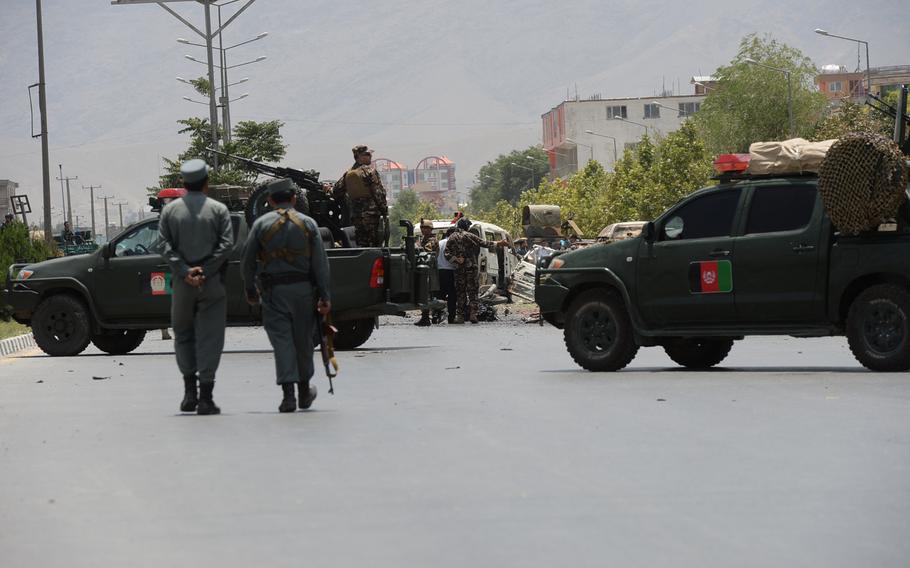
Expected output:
(495, 266)
(620, 231)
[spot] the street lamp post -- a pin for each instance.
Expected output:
(223, 67)
(207, 35)
(588, 146)
(858, 41)
(531, 184)
(786, 72)
(615, 154)
(645, 126)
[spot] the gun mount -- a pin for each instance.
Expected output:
(313, 199)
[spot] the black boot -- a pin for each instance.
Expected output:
(190, 397)
(307, 394)
(288, 403)
(206, 404)
(424, 320)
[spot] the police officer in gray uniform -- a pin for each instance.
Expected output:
(285, 268)
(198, 237)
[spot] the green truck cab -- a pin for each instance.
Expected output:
(749, 256)
(112, 296)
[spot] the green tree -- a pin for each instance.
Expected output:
(749, 102)
(17, 245)
(506, 177)
(409, 206)
(258, 141)
(849, 116)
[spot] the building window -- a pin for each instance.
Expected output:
(688, 109)
(857, 88)
(652, 111)
(835, 86)
(620, 111)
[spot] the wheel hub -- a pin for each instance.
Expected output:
(598, 331)
(884, 328)
(61, 326)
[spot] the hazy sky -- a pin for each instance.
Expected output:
(466, 79)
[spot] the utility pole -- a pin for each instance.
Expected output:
(42, 108)
(107, 225)
(91, 189)
(69, 199)
(120, 206)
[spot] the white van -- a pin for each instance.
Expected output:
(495, 266)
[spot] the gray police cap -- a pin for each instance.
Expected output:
(194, 170)
(281, 185)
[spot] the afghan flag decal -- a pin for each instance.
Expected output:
(711, 277)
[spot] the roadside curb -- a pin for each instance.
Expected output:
(15, 344)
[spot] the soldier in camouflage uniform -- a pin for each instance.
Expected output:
(363, 186)
(429, 244)
(462, 250)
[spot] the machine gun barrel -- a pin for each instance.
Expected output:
(306, 180)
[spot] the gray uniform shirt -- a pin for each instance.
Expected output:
(196, 231)
(289, 236)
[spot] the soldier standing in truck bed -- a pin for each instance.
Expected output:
(363, 186)
(462, 250)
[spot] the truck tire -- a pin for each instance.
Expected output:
(119, 341)
(61, 326)
(598, 332)
(698, 352)
(258, 204)
(878, 328)
(353, 333)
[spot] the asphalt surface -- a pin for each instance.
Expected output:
(458, 446)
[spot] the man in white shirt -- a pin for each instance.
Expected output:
(447, 277)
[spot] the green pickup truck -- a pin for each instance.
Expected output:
(750, 256)
(112, 296)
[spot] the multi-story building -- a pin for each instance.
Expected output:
(836, 83)
(602, 129)
(890, 78)
(394, 177)
(7, 190)
(434, 181)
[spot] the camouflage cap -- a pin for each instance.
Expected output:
(194, 170)
(281, 185)
(361, 149)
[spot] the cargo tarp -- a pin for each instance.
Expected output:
(541, 220)
(794, 156)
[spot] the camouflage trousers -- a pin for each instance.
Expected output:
(466, 288)
(368, 230)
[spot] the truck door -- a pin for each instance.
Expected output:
(778, 255)
(134, 283)
(685, 276)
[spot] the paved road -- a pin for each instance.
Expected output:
(472, 446)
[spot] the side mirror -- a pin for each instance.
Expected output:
(648, 232)
(107, 251)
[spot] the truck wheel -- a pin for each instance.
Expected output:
(878, 328)
(698, 352)
(353, 333)
(118, 341)
(258, 204)
(598, 332)
(61, 326)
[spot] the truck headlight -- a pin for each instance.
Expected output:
(24, 274)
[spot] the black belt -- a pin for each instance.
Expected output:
(268, 279)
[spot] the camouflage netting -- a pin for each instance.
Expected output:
(862, 181)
